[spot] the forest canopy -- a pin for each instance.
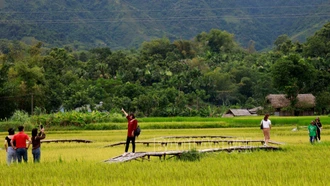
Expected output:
(198, 77)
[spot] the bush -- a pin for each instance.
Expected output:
(191, 155)
(104, 127)
(20, 116)
(4, 126)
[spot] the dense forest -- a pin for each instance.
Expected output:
(122, 24)
(197, 77)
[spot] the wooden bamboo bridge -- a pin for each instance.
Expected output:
(167, 137)
(66, 140)
(141, 156)
(198, 142)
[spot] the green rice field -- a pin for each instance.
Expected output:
(298, 163)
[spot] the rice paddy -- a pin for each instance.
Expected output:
(299, 163)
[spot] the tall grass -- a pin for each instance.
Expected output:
(299, 163)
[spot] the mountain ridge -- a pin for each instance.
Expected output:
(123, 24)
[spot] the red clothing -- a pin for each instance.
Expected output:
(21, 139)
(132, 125)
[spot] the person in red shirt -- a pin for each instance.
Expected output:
(132, 125)
(21, 149)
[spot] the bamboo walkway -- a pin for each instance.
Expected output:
(198, 142)
(66, 140)
(167, 137)
(141, 156)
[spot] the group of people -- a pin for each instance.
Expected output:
(17, 145)
(314, 130)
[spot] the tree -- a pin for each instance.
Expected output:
(292, 75)
(217, 40)
(283, 44)
(319, 44)
(158, 46)
(293, 70)
(220, 86)
(323, 102)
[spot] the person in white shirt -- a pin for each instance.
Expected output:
(267, 125)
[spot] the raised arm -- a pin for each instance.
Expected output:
(42, 134)
(124, 112)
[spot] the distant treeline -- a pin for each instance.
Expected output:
(199, 77)
(105, 121)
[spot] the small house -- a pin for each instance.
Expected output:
(237, 112)
(304, 107)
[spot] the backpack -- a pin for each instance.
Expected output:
(137, 131)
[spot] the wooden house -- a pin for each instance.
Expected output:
(237, 112)
(304, 107)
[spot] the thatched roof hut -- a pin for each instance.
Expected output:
(236, 112)
(305, 102)
(280, 101)
(255, 110)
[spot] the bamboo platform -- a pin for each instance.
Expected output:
(66, 140)
(167, 137)
(198, 142)
(141, 156)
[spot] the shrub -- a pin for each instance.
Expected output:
(4, 126)
(191, 155)
(20, 116)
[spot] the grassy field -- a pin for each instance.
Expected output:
(120, 122)
(299, 163)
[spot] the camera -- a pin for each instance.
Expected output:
(41, 126)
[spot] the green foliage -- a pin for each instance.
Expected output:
(201, 77)
(20, 116)
(5, 125)
(101, 121)
(318, 45)
(190, 155)
(74, 118)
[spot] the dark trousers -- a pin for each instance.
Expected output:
(318, 135)
(36, 155)
(21, 153)
(128, 140)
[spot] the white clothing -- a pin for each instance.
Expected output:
(266, 124)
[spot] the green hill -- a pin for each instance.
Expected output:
(118, 24)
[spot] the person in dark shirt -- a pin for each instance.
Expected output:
(36, 137)
(318, 127)
(131, 126)
(11, 152)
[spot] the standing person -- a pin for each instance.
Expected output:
(312, 130)
(318, 125)
(21, 149)
(266, 124)
(36, 143)
(11, 152)
(132, 125)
